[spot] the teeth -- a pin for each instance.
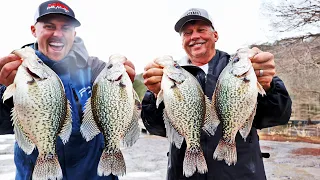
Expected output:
(56, 44)
(197, 44)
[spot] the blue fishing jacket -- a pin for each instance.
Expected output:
(78, 159)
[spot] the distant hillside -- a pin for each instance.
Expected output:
(298, 65)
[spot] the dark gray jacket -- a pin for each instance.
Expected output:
(273, 109)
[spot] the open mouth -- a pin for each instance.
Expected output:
(56, 46)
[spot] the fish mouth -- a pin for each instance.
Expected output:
(32, 74)
(115, 79)
(119, 78)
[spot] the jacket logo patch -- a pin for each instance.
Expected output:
(83, 90)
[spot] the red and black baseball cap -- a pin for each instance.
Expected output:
(55, 7)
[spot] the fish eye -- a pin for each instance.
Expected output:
(176, 66)
(110, 66)
(236, 59)
(40, 62)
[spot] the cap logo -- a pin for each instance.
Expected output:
(193, 12)
(58, 6)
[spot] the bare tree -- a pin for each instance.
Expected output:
(292, 14)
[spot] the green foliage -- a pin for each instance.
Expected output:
(139, 87)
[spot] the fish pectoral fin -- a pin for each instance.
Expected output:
(260, 89)
(159, 98)
(173, 136)
(66, 130)
(211, 120)
(245, 130)
(88, 128)
(22, 139)
(8, 93)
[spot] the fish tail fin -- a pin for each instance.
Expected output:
(47, 167)
(111, 162)
(193, 160)
(226, 151)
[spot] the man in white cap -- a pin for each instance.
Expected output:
(206, 63)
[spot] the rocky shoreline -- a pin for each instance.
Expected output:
(288, 160)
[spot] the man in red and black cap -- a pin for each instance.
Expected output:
(59, 48)
(205, 62)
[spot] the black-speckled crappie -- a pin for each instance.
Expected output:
(112, 110)
(187, 111)
(41, 112)
(234, 101)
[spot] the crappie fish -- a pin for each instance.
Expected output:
(187, 110)
(234, 102)
(112, 110)
(41, 112)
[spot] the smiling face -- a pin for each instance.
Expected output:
(55, 35)
(198, 40)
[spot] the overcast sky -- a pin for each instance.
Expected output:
(139, 29)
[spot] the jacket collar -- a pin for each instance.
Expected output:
(185, 61)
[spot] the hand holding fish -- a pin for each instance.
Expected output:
(130, 69)
(264, 67)
(152, 76)
(8, 68)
